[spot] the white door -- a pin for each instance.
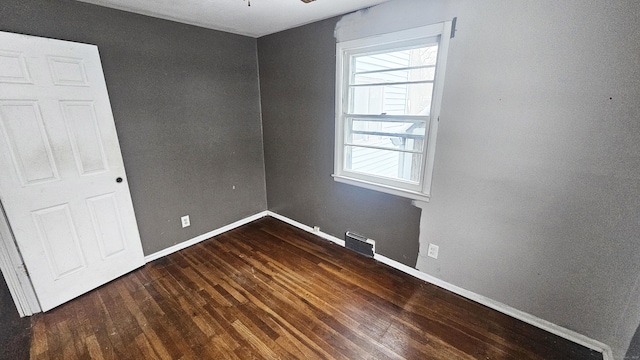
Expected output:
(62, 179)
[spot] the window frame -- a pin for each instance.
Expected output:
(389, 42)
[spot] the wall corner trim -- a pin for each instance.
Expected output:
(570, 335)
(203, 237)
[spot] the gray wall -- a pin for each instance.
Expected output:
(186, 104)
(297, 81)
(536, 195)
(536, 190)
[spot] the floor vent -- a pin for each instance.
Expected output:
(359, 244)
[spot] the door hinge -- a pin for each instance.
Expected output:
(23, 268)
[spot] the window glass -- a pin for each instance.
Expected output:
(388, 88)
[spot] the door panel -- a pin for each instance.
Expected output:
(23, 129)
(13, 68)
(68, 71)
(86, 143)
(107, 224)
(60, 157)
(57, 234)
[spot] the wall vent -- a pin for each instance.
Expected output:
(359, 244)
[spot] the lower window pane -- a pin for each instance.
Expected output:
(394, 135)
(384, 163)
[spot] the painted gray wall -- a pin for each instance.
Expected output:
(536, 195)
(186, 104)
(538, 164)
(297, 81)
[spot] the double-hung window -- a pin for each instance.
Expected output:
(388, 93)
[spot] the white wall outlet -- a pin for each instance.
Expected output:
(316, 228)
(185, 221)
(433, 251)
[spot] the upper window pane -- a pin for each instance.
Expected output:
(396, 59)
(398, 82)
(399, 99)
(395, 76)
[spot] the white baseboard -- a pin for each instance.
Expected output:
(495, 305)
(505, 309)
(203, 237)
(306, 228)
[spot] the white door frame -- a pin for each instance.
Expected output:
(14, 271)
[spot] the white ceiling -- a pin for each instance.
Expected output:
(263, 17)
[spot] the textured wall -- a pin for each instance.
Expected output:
(187, 109)
(536, 196)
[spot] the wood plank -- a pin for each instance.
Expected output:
(267, 290)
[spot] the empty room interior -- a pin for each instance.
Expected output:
(512, 234)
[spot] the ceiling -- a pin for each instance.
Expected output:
(263, 17)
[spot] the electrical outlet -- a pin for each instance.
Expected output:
(433, 251)
(185, 221)
(316, 228)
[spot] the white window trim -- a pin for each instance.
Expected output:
(421, 192)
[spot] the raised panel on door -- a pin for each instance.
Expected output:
(13, 68)
(107, 224)
(74, 224)
(23, 129)
(84, 135)
(59, 239)
(68, 71)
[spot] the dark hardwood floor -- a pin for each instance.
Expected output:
(270, 291)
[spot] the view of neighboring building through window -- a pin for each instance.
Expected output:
(390, 84)
(385, 94)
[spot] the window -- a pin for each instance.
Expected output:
(388, 92)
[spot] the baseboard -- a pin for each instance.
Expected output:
(550, 327)
(570, 335)
(306, 228)
(203, 237)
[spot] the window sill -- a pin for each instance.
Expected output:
(414, 195)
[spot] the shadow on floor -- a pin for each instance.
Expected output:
(633, 353)
(15, 332)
